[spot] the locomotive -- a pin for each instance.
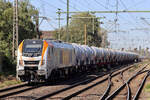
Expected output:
(37, 60)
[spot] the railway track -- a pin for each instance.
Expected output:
(13, 87)
(88, 81)
(126, 83)
(107, 90)
(24, 87)
(141, 86)
(17, 89)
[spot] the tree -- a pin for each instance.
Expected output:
(76, 29)
(6, 23)
(26, 25)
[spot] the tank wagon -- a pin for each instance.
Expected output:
(37, 60)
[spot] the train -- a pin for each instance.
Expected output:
(41, 59)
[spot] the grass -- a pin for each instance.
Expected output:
(137, 66)
(9, 83)
(134, 67)
(147, 88)
(7, 80)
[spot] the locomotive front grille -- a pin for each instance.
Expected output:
(31, 62)
(31, 68)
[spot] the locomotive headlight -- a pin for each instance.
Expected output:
(21, 62)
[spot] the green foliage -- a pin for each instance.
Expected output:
(147, 88)
(8, 83)
(26, 27)
(77, 29)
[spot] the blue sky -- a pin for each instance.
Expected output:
(132, 32)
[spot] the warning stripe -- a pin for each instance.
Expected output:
(20, 49)
(45, 46)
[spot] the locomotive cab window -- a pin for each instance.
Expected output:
(32, 48)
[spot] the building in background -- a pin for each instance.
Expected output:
(47, 34)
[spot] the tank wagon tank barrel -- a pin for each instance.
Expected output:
(38, 60)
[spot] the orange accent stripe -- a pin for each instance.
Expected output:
(20, 49)
(21, 46)
(45, 46)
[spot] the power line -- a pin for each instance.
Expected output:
(116, 19)
(124, 5)
(140, 2)
(129, 22)
(88, 4)
(49, 4)
(144, 19)
(121, 11)
(67, 31)
(127, 9)
(69, 5)
(81, 3)
(101, 4)
(47, 19)
(43, 7)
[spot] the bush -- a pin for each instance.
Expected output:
(8, 66)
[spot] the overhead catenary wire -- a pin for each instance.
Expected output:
(116, 18)
(51, 5)
(84, 5)
(79, 4)
(108, 5)
(132, 17)
(101, 5)
(70, 5)
(136, 4)
(129, 14)
(48, 20)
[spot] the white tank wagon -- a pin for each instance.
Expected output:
(97, 54)
(40, 59)
(105, 56)
(79, 54)
(89, 54)
(84, 55)
(113, 55)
